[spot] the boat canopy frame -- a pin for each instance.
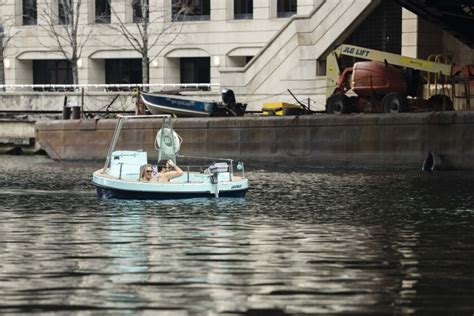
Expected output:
(118, 128)
(167, 135)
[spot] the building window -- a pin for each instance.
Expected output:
(286, 8)
(123, 71)
(102, 11)
(29, 12)
(52, 72)
(140, 10)
(64, 11)
(191, 10)
(195, 70)
(243, 9)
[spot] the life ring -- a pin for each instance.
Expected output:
(169, 146)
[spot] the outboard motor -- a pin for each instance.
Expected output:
(228, 96)
(229, 107)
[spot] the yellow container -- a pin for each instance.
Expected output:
(281, 108)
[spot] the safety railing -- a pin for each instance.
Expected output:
(103, 87)
(438, 83)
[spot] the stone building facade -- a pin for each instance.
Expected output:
(259, 48)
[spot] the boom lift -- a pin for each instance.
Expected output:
(383, 83)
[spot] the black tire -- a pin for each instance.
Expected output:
(394, 103)
(441, 102)
(338, 104)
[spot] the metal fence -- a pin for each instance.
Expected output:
(107, 87)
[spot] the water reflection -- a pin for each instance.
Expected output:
(326, 242)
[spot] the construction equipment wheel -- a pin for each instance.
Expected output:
(338, 104)
(394, 103)
(441, 102)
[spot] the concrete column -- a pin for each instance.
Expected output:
(261, 9)
(420, 38)
(218, 10)
(172, 70)
(95, 70)
(409, 34)
(123, 11)
(23, 71)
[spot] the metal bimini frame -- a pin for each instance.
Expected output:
(118, 129)
(166, 123)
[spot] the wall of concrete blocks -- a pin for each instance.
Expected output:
(351, 141)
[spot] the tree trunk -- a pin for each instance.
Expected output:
(75, 74)
(145, 70)
(2, 66)
(2, 73)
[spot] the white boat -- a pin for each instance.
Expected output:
(120, 176)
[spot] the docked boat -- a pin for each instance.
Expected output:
(120, 176)
(184, 106)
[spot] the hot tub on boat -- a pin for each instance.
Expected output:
(120, 176)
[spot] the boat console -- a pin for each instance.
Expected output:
(126, 164)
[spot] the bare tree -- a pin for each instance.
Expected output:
(61, 21)
(6, 35)
(144, 34)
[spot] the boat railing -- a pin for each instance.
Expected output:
(189, 169)
(230, 162)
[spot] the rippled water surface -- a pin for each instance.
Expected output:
(325, 242)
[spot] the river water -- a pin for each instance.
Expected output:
(319, 243)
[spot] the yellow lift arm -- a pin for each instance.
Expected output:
(333, 72)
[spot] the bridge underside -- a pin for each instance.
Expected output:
(455, 16)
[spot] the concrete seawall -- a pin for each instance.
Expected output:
(349, 141)
(17, 136)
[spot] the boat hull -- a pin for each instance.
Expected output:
(178, 105)
(187, 186)
(111, 193)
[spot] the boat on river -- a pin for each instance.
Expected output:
(120, 176)
(184, 106)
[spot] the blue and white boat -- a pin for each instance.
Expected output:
(184, 106)
(120, 176)
(178, 105)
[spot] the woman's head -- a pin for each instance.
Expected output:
(146, 172)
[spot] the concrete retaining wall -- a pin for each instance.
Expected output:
(17, 137)
(352, 141)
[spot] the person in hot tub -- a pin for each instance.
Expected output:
(168, 170)
(146, 174)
